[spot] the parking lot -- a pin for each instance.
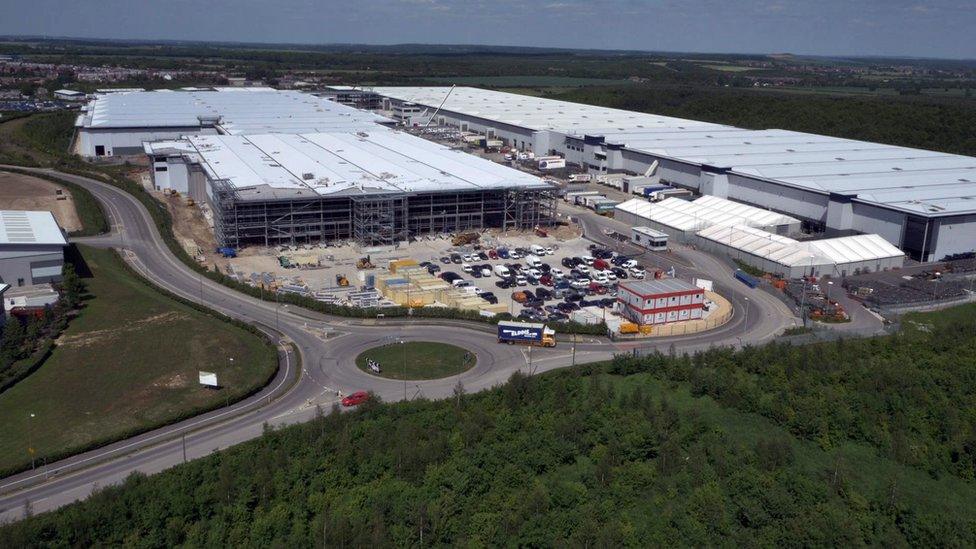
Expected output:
(319, 269)
(536, 284)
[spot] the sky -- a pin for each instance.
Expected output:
(937, 28)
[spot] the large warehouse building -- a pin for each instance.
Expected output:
(378, 187)
(119, 123)
(922, 201)
(31, 248)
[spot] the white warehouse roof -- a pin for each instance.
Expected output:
(330, 163)
(760, 243)
(704, 212)
(536, 113)
(852, 249)
(240, 110)
(30, 227)
(900, 178)
(792, 253)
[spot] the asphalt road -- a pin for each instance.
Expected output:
(317, 356)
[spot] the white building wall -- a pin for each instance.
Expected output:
(888, 224)
(789, 200)
(955, 235)
(122, 141)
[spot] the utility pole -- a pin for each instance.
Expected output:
(404, 348)
(803, 301)
(574, 349)
(184, 447)
(277, 304)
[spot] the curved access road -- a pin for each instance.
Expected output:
(316, 355)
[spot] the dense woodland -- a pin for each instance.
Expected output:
(926, 123)
(844, 443)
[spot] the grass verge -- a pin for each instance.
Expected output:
(415, 360)
(116, 372)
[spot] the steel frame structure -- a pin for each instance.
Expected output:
(374, 218)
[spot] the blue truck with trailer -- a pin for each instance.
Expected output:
(525, 333)
(746, 278)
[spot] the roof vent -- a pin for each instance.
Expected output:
(307, 176)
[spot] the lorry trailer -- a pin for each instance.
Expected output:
(524, 333)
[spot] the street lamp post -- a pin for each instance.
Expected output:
(30, 436)
(829, 284)
(404, 349)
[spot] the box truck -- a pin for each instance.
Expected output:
(524, 333)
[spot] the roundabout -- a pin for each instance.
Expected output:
(415, 360)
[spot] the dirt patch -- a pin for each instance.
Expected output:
(97, 337)
(23, 192)
(192, 229)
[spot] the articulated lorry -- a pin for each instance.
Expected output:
(524, 333)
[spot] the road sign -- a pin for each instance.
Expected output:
(208, 379)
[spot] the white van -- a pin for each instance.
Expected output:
(502, 271)
(533, 261)
(537, 249)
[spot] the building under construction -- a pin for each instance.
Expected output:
(380, 187)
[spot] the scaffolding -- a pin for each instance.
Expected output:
(374, 219)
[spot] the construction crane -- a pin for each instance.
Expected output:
(437, 110)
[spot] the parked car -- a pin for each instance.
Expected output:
(629, 264)
(492, 254)
(619, 273)
(546, 280)
(483, 256)
(356, 398)
(568, 262)
(558, 317)
(490, 297)
(450, 276)
(466, 267)
(504, 283)
(502, 253)
(446, 260)
(543, 294)
(519, 297)
(456, 258)
(521, 280)
(433, 269)
(619, 260)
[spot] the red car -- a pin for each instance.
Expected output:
(358, 397)
(492, 254)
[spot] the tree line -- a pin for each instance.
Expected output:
(763, 446)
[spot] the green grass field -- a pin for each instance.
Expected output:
(424, 360)
(127, 363)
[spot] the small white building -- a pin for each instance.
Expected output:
(648, 238)
(69, 95)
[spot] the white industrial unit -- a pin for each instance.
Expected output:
(31, 248)
(681, 219)
(921, 201)
(781, 255)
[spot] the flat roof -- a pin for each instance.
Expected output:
(381, 160)
(30, 227)
(240, 110)
(534, 112)
(912, 180)
(660, 286)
